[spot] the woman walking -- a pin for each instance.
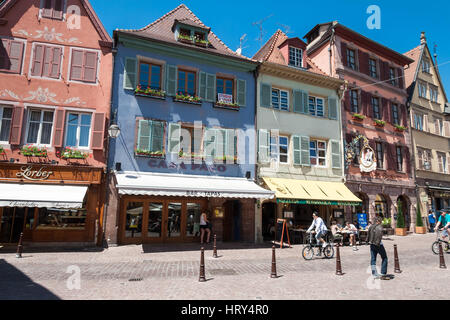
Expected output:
(204, 225)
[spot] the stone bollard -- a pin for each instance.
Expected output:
(397, 264)
(273, 274)
(20, 247)
(202, 266)
(215, 247)
(441, 257)
(338, 261)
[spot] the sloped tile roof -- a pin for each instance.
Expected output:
(410, 72)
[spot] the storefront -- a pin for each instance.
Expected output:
(50, 204)
(164, 208)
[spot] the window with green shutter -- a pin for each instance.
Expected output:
(171, 79)
(150, 139)
(211, 87)
(266, 95)
(332, 108)
(202, 85)
(297, 150)
(263, 146)
(305, 151)
(241, 92)
(174, 138)
(335, 154)
(300, 101)
(130, 74)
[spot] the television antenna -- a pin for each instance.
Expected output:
(261, 29)
(242, 41)
(286, 29)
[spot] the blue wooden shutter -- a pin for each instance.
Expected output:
(305, 155)
(130, 74)
(263, 146)
(266, 95)
(335, 154)
(332, 108)
(171, 80)
(241, 92)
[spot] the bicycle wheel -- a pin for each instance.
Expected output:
(446, 247)
(435, 247)
(328, 252)
(307, 253)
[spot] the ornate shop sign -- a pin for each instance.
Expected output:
(367, 158)
(34, 175)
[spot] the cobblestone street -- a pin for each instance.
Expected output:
(240, 272)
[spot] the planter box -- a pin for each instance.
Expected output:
(421, 230)
(400, 231)
(199, 103)
(224, 106)
(140, 94)
(388, 231)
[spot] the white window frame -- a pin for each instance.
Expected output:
(64, 13)
(315, 106)
(2, 108)
(442, 156)
(298, 57)
(279, 91)
(316, 141)
(422, 90)
(276, 146)
(434, 93)
(66, 129)
(99, 58)
(60, 65)
(39, 135)
(421, 118)
(426, 66)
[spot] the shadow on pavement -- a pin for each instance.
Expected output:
(48, 249)
(15, 285)
(174, 247)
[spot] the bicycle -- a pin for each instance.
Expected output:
(312, 248)
(435, 245)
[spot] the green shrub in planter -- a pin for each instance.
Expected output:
(400, 217)
(419, 221)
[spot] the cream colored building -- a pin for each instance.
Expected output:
(430, 129)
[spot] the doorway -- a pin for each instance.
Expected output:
(12, 224)
(269, 210)
(232, 221)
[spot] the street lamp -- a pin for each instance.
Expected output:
(114, 131)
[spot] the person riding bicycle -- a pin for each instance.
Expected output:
(320, 229)
(444, 220)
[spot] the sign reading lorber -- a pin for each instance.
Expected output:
(34, 175)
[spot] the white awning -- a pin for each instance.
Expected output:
(181, 185)
(42, 195)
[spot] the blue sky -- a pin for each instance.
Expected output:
(401, 21)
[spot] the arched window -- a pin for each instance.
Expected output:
(381, 206)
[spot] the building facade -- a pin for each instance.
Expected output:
(430, 129)
(374, 117)
(299, 138)
(55, 86)
(185, 106)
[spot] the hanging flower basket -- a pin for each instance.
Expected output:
(70, 153)
(34, 151)
(150, 154)
(358, 117)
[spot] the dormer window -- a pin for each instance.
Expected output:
(295, 57)
(185, 34)
(198, 36)
(189, 31)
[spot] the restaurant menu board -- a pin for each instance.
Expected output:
(282, 233)
(362, 220)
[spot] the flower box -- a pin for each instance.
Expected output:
(150, 154)
(379, 123)
(2, 151)
(225, 158)
(148, 92)
(399, 128)
(187, 99)
(185, 39)
(358, 117)
(33, 151)
(183, 155)
(231, 106)
(201, 43)
(69, 153)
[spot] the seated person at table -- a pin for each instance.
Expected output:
(353, 232)
(335, 228)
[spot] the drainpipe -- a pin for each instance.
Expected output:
(332, 40)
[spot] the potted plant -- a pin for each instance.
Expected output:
(70, 153)
(2, 151)
(358, 117)
(34, 151)
(184, 38)
(400, 230)
(233, 106)
(399, 128)
(187, 98)
(419, 222)
(379, 123)
(149, 92)
(386, 223)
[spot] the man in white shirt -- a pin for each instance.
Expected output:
(320, 229)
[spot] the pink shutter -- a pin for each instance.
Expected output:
(58, 9)
(59, 128)
(4, 56)
(98, 131)
(47, 9)
(385, 111)
(400, 78)
(36, 69)
(90, 66)
(404, 112)
(15, 56)
(344, 54)
(363, 59)
(408, 160)
(16, 126)
(48, 51)
(76, 69)
(55, 63)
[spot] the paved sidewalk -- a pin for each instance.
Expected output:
(242, 271)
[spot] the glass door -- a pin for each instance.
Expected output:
(155, 220)
(133, 223)
(173, 226)
(11, 226)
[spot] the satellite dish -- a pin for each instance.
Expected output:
(239, 51)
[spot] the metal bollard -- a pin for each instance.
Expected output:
(20, 247)
(441, 257)
(273, 274)
(397, 264)
(202, 266)
(338, 261)
(215, 247)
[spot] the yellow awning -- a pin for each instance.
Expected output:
(311, 192)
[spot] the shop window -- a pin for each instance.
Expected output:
(5, 123)
(150, 76)
(194, 210)
(78, 130)
(66, 219)
(186, 83)
(316, 106)
(174, 220)
(133, 224)
(40, 125)
(155, 211)
(318, 153)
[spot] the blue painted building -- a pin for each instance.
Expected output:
(185, 105)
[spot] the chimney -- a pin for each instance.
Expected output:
(423, 39)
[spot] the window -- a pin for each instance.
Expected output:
(280, 99)
(354, 103)
(186, 83)
(426, 66)
(395, 114)
(418, 121)
(392, 77)
(316, 106)
(380, 155)
(199, 36)
(295, 57)
(279, 147)
(84, 65)
(373, 68)
(424, 158)
(150, 76)
(351, 60)
(53, 9)
(225, 86)
(150, 137)
(5, 123)
(40, 124)
(78, 130)
(185, 32)
(399, 158)
(11, 54)
(438, 126)
(46, 61)
(434, 94)
(422, 90)
(56, 218)
(442, 162)
(318, 153)
(191, 145)
(376, 108)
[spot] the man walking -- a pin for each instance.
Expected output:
(375, 234)
(431, 220)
